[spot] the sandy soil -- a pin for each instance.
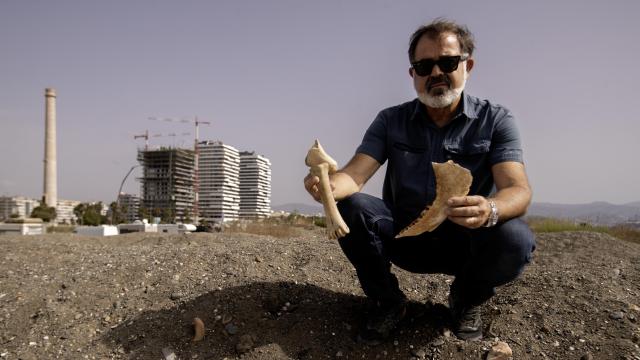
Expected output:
(134, 297)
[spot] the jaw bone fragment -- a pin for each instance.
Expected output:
(322, 165)
(451, 180)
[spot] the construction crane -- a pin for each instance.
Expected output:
(146, 136)
(196, 183)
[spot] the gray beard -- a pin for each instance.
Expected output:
(442, 100)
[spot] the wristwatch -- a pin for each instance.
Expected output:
(493, 217)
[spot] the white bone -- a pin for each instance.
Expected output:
(321, 165)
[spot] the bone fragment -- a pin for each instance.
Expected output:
(451, 180)
(198, 327)
(322, 165)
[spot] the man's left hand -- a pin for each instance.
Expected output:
(469, 211)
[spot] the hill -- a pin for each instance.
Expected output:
(295, 297)
(602, 213)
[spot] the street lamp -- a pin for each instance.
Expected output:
(120, 191)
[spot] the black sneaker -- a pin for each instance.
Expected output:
(381, 322)
(467, 323)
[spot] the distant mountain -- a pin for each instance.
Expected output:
(599, 212)
(299, 208)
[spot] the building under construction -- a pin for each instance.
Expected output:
(167, 183)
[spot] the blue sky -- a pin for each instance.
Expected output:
(271, 76)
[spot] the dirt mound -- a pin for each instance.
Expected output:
(134, 297)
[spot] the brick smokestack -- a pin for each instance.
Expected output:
(50, 157)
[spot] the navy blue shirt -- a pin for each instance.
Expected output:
(480, 135)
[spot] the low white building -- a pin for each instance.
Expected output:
(17, 206)
(102, 230)
(24, 226)
(64, 211)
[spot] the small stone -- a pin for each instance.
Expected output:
(616, 272)
(634, 307)
(616, 315)
(231, 329)
(437, 342)
(339, 354)
(571, 348)
(395, 342)
(258, 259)
(169, 354)
(32, 343)
(78, 316)
(556, 343)
(447, 333)
(419, 353)
(176, 295)
(586, 356)
(245, 344)
(226, 319)
(107, 318)
(500, 351)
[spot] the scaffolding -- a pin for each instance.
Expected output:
(167, 183)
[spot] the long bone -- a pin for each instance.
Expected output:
(321, 165)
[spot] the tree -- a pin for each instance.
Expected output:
(143, 213)
(44, 212)
(90, 214)
(118, 214)
(79, 211)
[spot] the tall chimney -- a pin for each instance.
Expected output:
(50, 157)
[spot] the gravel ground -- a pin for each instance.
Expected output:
(134, 296)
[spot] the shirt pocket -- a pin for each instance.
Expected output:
(408, 176)
(471, 155)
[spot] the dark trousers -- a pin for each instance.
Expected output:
(480, 259)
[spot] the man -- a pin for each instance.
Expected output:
(482, 243)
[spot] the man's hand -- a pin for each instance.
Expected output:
(469, 211)
(311, 185)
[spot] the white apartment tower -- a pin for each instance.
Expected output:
(255, 185)
(219, 186)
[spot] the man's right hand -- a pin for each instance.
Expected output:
(311, 185)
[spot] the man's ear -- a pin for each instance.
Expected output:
(470, 63)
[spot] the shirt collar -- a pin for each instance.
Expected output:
(468, 109)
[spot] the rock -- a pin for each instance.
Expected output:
(500, 351)
(339, 354)
(176, 295)
(226, 319)
(419, 353)
(634, 307)
(437, 342)
(169, 354)
(616, 315)
(245, 344)
(616, 272)
(231, 329)
(586, 356)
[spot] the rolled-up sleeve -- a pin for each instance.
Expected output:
(505, 142)
(374, 142)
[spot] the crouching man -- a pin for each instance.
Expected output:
(483, 242)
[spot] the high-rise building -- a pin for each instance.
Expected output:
(219, 171)
(255, 185)
(17, 206)
(130, 205)
(167, 183)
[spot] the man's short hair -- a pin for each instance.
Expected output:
(438, 27)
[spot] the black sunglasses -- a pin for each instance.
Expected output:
(446, 64)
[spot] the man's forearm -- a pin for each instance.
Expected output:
(512, 201)
(344, 185)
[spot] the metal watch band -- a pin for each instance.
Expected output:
(493, 217)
